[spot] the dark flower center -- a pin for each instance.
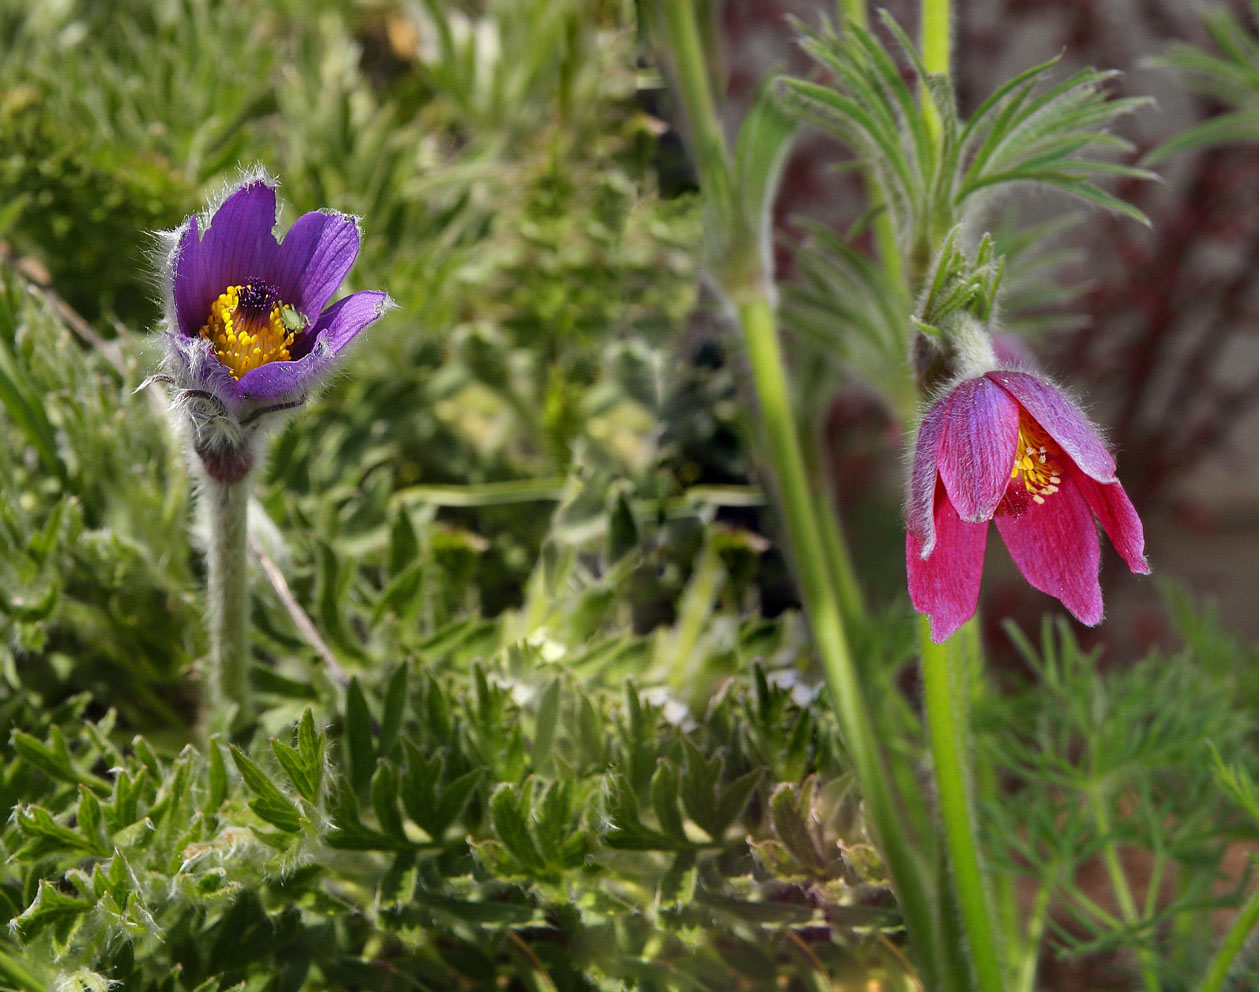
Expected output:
(257, 298)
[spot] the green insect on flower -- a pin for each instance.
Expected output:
(293, 319)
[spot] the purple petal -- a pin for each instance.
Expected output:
(946, 585)
(923, 477)
(978, 447)
(191, 280)
(1055, 545)
(237, 246)
(1060, 418)
(339, 324)
(277, 382)
(196, 366)
(1119, 519)
(315, 256)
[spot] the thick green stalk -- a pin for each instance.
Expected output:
(1007, 917)
(934, 48)
(844, 578)
(1218, 970)
(947, 728)
(805, 539)
(853, 10)
(227, 603)
(749, 291)
(947, 677)
(839, 562)
(697, 99)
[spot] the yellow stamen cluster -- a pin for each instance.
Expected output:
(245, 338)
(1034, 457)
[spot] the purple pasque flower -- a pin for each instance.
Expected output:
(248, 330)
(1008, 446)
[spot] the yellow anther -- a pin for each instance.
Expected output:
(245, 338)
(1042, 474)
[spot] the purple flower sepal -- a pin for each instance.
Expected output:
(1010, 447)
(248, 330)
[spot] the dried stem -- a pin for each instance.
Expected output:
(301, 619)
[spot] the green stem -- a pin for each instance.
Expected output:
(1218, 970)
(844, 579)
(839, 562)
(228, 603)
(934, 47)
(1007, 916)
(805, 539)
(1120, 885)
(751, 295)
(853, 10)
(697, 98)
(1154, 882)
(679, 660)
(18, 977)
(886, 246)
(1027, 979)
(947, 735)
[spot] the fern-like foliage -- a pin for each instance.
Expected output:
(1024, 132)
(1228, 76)
(1132, 787)
(498, 824)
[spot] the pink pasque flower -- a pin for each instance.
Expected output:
(1008, 446)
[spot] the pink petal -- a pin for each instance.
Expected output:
(978, 447)
(1060, 418)
(923, 477)
(1111, 505)
(1055, 545)
(946, 585)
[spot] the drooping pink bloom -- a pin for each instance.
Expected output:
(1010, 447)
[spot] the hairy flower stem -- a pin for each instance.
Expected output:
(840, 563)
(226, 505)
(946, 688)
(945, 706)
(679, 21)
